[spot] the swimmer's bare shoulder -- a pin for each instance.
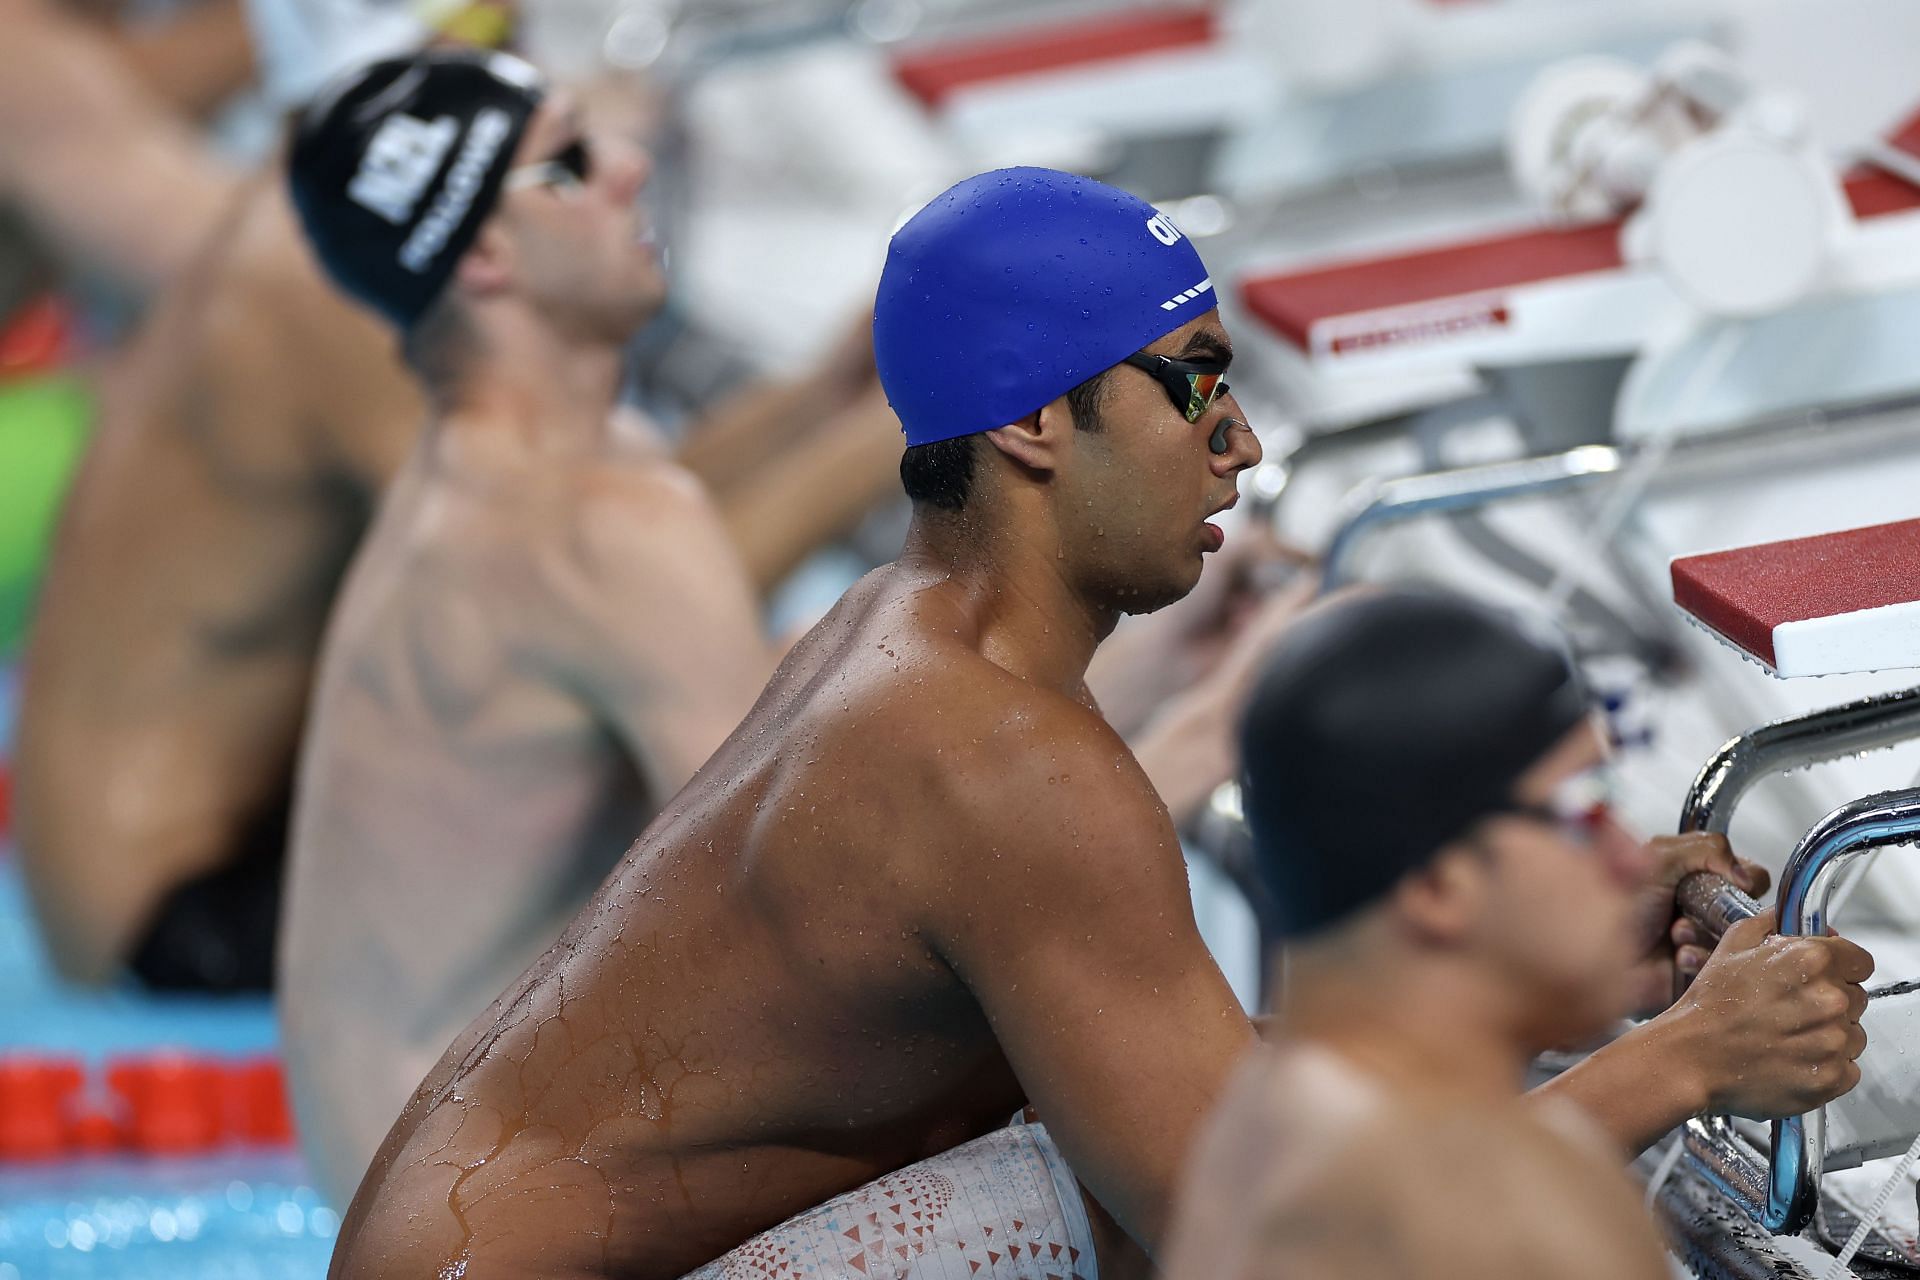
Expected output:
(636, 521)
(1004, 767)
(655, 619)
(1424, 1190)
(271, 369)
(1050, 881)
(348, 405)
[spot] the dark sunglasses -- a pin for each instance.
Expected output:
(1192, 385)
(568, 169)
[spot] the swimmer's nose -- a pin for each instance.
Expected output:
(628, 168)
(1238, 448)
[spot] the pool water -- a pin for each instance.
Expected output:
(245, 1216)
(235, 1214)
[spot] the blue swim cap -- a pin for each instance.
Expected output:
(1015, 286)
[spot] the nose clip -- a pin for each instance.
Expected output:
(1217, 442)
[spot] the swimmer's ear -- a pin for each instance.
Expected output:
(1444, 901)
(487, 266)
(1036, 440)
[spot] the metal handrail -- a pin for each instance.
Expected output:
(1461, 489)
(1785, 1199)
(1721, 1155)
(1875, 822)
(1884, 720)
(1469, 488)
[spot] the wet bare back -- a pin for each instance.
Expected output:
(239, 450)
(522, 664)
(1309, 1169)
(910, 874)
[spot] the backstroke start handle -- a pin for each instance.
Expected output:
(1714, 903)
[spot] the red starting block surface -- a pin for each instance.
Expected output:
(1839, 602)
(1469, 278)
(935, 73)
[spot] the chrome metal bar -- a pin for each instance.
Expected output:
(1703, 1208)
(1461, 489)
(1788, 1189)
(1785, 745)
(1713, 903)
(1882, 721)
(1784, 440)
(1721, 1156)
(1875, 822)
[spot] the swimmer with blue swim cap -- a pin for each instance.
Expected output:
(1024, 301)
(924, 884)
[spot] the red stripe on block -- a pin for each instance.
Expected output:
(1875, 193)
(935, 73)
(1293, 304)
(1747, 592)
(1906, 135)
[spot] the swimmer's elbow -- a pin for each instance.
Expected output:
(88, 935)
(81, 953)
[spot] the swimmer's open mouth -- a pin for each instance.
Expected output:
(1215, 536)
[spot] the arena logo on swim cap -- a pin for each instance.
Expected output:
(1162, 229)
(490, 129)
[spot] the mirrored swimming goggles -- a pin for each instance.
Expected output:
(1192, 385)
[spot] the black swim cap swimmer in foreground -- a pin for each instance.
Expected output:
(1380, 730)
(1015, 286)
(395, 167)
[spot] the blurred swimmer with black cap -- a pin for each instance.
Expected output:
(239, 454)
(1427, 787)
(545, 632)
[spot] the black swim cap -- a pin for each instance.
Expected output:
(1380, 730)
(395, 166)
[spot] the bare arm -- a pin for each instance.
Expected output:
(1068, 916)
(1187, 746)
(195, 60)
(792, 464)
(814, 490)
(96, 160)
(748, 432)
(667, 640)
(745, 433)
(1636, 1088)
